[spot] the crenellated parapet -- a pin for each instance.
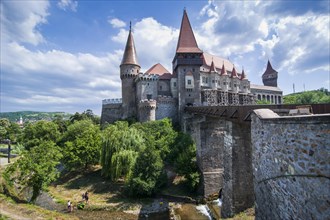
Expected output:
(111, 101)
(146, 77)
(166, 100)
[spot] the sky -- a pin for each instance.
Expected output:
(65, 55)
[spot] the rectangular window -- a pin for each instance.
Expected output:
(189, 81)
(174, 84)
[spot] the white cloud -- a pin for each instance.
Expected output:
(20, 20)
(116, 23)
(68, 4)
(154, 42)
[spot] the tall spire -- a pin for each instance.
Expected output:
(212, 68)
(130, 52)
(187, 42)
(223, 70)
(243, 75)
(234, 73)
(269, 69)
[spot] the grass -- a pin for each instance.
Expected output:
(21, 210)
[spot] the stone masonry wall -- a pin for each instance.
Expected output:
(224, 158)
(291, 165)
(111, 113)
(238, 193)
(166, 108)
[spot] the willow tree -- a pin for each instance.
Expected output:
(120, 147)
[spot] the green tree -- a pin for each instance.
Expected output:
(263, 102)
(120, 147)
(4, 125)
(148, 176)
(36, 168)
(81, 144)
(159, 134)
(185, 160)
(309, 97)
(35, 133)
(88, 114)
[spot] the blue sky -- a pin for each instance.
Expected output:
(65, 55)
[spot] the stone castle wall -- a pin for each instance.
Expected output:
(111, 113)
(224, 159)
(166, 108)
(291, 165)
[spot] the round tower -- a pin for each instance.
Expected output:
(147, 110)
(129, 69)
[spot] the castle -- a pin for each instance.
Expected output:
(197, 78)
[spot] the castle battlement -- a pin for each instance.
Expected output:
(111, 101)
(166, 100)
(147, 104)
(146, 77)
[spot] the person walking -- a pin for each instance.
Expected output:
(86, 197)
(69, 206)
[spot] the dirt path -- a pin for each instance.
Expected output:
(10, 213)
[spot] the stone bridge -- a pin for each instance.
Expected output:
(224, 150)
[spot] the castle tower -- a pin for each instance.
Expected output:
(129, 69)
(147, 110)
(186, 66)
(269, 78)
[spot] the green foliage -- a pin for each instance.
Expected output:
(32, 115)
(120, 147)
(34, 134)
(88, 114)
(309, 97)
(185, 160)
(147, 173)
(159, 134)
(9, 130)
(81, 205)
(36, 168)
(82, 144)
(263, 102)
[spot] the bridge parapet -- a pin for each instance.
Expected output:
(242, 113)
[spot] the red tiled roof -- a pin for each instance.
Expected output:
(187, 42)
(269, 69)
(218, 62)
(129, 56)
(160, 70)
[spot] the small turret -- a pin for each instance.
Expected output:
(234, 73)
(212, 68)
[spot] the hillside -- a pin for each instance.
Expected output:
(309, 97)
(33, 115)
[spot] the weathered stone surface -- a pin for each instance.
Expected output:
(224, 158)
(291, 166)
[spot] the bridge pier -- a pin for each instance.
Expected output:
(224, 159)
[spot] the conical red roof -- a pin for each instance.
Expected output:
(243, 75)
(234, 73)
(187, 42)
(212, 68)
(269, 69)
(130, 52)
(223, 70)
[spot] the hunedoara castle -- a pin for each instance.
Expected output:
(197, 78)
